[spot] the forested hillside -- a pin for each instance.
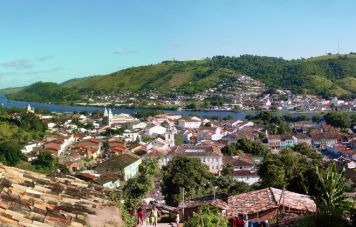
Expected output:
(326, 76)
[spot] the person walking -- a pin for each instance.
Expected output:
(154, 215)
(140, 215)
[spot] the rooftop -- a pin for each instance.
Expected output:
(196, 151)
(32, 199)
(118, 163)
(269, 198)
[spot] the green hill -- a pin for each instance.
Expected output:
(327, 76)
(10, 90)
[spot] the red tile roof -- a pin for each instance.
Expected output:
(269, 198)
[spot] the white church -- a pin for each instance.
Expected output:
(30, 109)
(111, 119)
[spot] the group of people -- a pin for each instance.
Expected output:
(152, 218)
(242, 221)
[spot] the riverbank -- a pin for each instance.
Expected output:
(202, 113)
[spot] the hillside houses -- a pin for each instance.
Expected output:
(280, 142)
(321, 140)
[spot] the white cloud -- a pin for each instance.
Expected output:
(17, 64)
(124, 51)
(45, 58)
(44, 71)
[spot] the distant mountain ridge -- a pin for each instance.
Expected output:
(327, 76)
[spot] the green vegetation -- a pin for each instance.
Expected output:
(192, 176)
(333, 208)
(188, 174)
(10, 152)
(331, 198)
(17, 127)
(46, 92)
(134, 191)
(327, 77)
(293, 169)
(338, 120)
(323, 76)
(207, 216)
(45, 160)
(10, 90)
(147, 113)
(136, 188)
(227, 185)
(245, 146)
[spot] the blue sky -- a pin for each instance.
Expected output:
(56, 40)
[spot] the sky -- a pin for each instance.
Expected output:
(57, 40)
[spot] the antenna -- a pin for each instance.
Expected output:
(338, 48)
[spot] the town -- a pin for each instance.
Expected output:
(109, 150)
(205, 113)
(237, 93)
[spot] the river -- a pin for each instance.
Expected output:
(69, 109)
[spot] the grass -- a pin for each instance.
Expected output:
(27, 166)
(11, 90)
(322, 83)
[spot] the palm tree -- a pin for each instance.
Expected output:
(331, 198)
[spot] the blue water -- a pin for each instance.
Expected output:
(69, 109)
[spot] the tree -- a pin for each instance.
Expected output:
(337, 119)
(353, 119)
(45, 160)
(227, 185)
(149, 166)
(228, 170)
(331, 199)
(230, 149)
(251, 147)
(292, 169)
(317, 119)
(136, 188)
(187, 173)
(10, 152)
(207, 216)
(273, 175)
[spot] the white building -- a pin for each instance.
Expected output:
(155, 130)
(247, 176)
(208, 155)
(210, 133)
(30, 109)
(192, 123)
(122, 118)
(130, 136)
(137, 125)
(29, 147)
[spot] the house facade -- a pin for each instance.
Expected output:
(208, 155)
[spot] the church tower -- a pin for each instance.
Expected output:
(110, 116)
(169, 137)
(105, 112)
(30, 109)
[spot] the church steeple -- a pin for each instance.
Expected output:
(30, 109)
(169, 137)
